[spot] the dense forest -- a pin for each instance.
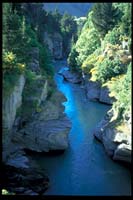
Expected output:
(103, 50)
(97, 50)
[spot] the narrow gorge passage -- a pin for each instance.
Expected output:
(84, 168)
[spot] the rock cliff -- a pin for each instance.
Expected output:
(115, 138)
(54, 43)
(95, 92)
(49, 128)
(10, 106)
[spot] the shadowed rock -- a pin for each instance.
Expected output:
(45, 136)
(71, 77)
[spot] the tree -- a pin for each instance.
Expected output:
(104, 17)
(72, 59)
(68, 29)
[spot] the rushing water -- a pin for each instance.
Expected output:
(84, 168)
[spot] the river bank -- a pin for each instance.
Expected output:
(112, 132)
(88, 169)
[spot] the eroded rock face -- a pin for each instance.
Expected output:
(44, 136)
(49, 128)
(71, 77)
(97, 93)
(117, 143)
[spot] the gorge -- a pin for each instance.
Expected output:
(66, 106)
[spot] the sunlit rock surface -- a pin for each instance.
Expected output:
(117, 143)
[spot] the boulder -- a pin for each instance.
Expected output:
(71, 77)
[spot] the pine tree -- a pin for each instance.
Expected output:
(104, 17)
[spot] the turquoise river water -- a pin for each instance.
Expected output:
(84, 168)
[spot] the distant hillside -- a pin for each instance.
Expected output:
(75, 9)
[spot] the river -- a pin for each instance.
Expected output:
(84, 168)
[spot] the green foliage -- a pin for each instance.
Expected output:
(20, 34)
(105, 16)
(121, 89)
(109, 68)
(9, 81)
(45, 61)
(72, 59)
(68, 30)
(87, 43)
(90, 61)
(113, 36)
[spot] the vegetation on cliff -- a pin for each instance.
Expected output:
(24, 25)
(103, 50)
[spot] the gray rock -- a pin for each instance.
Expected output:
(98, 130)
(45, 135)
(54, 43)
(12, 103)
(71, 77)
(18, 162)
(117, 144)
(108, 140)
(9, 109)
(104, 96)
(123, 153)
(52, 109)
(93, 90)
